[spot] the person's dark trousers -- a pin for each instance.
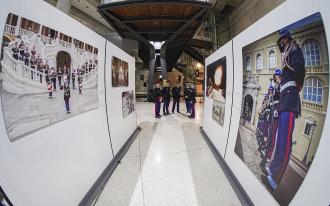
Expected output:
(59, 81)
(73, 83)
(157, 108)
(192, 107)
(175, 104)
(188, 106)
(26, 62)
(286, 123)
(165, 106)
(54, 84)
(67, 104)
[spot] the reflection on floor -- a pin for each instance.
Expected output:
(168, 164)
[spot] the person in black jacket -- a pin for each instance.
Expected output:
(166, 98)
(176, 91)
(158, 99)
(192, 100)
(186, 96)
(67, 96)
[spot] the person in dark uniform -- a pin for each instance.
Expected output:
(176, 91)
(33, 51)
(49, 85)
(73, 76)
(274, 121)
(66, 88)
(192, 100)
(289, 106)
(158, 99)
(15, 50)
(186, 97)
(53, 77)
(59, 76)
(26, 56)
(166, 98)
(33, 63)
(21, 51)
(80, 80)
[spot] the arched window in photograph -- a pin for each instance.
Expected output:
(259, 62)
(248, 63)
(272, 59)
(311, 51)
(313, 90)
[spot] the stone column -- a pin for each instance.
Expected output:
(64, 5)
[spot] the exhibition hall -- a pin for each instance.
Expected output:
(164, 102)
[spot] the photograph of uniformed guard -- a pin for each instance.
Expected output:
(216, 88)
(284, 105)
(38, 86)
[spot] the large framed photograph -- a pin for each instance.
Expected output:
(216, 88)
(119, 72)
(284, 105)
(46, 76)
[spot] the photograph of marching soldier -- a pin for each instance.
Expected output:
(37, 73)
(284, 105)
(176, 93)
(216, 88)
(166, 97)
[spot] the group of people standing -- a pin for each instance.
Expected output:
(62, 77)
(280, 107)
(163, 94)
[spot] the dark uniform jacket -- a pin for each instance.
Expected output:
(192, 95)
(166, 93)
(66, 92)
(176, 91)
(158, 94)
(186, 93)
(293, 70)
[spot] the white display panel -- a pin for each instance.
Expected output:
(121, 128)
(57, 165)
(313, 189)
(218, 134)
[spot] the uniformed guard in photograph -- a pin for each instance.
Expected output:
(73, 76)
(289, 107)
(176, 92)
(274, 122)
(158, 99)
(15, 51)
(192, 100)
(80, 80)
(67, 96)
(166, 98)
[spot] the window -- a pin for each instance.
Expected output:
(272, 59)
(309, 127)
(311, 52)
(313, 90)
(248, 64)
(259, 62)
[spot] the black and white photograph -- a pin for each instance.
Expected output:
(284, 105)
(46, 76)
(128, 103)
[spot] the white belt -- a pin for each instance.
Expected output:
(288, 84)
(275, 102)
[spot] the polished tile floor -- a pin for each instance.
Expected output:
(169, 164)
